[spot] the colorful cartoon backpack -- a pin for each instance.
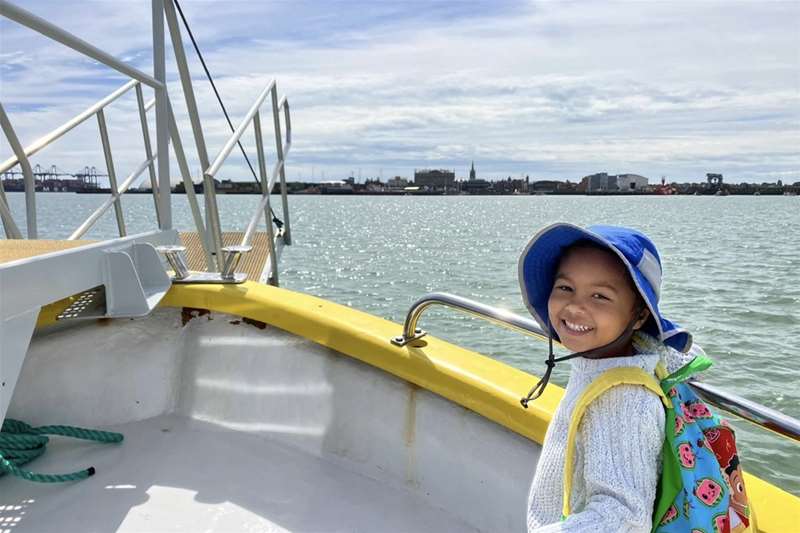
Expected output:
(701, 489)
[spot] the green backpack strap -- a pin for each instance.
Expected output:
(605, 381)
(671, 482)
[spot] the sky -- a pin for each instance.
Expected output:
(550, 90)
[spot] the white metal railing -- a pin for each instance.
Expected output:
(282, 147)
(97, 110)
(40, 25)
(11, 229)
(57, 133)
(157, 82)
(114, 199)
(156, 161)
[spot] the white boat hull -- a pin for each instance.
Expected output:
(233, 427)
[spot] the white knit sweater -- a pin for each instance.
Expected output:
(617, 455)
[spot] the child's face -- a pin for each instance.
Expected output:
(592, 301)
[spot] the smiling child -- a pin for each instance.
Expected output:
(596, 291)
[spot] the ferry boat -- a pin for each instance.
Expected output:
(245, 406)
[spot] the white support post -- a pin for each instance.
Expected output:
(188, 186)
(112, 175)
(287, 234)
(10, 227)
(213, 237)
(30, 182)
(262, 170)
(162, 115)
(148, 151)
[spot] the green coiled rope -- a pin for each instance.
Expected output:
(20, 443)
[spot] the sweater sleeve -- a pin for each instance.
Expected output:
(622, 433)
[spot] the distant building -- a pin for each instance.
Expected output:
(600, 182)
(475, 186)
(546, 186)
(472, 172)
(397, 183)
(631, 182)
(374, 185)
(604, 182)
(435, 179)
(337, 187)
(511, 186)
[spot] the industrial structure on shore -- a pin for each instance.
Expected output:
(425, 182)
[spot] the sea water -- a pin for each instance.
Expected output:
(731, 273)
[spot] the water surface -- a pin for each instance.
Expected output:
(730, 273)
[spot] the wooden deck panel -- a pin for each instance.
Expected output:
(13, 249)
(252, 263)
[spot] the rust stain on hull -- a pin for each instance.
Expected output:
(410, 435)
(188, 313)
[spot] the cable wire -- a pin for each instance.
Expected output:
(278, 222)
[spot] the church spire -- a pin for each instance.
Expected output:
(472, 172)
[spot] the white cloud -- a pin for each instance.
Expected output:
(551, 89)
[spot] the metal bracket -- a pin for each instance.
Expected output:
(233, 254)
(182, 274)
(402, 340)
(174, 255)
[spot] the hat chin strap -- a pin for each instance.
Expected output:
(612, 349)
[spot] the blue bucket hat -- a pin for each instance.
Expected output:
(539, 261)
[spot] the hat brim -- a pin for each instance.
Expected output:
(537, 270)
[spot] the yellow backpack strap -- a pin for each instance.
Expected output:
(606, 380)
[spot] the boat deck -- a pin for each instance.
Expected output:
(14, 249)
(252, 263)
(173, 473)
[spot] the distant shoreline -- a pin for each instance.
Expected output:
(784, 191)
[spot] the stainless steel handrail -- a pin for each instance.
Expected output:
(751, 411)
(498, 316)
(756, 413)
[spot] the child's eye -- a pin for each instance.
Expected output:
(598, 296)
(565, 288)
